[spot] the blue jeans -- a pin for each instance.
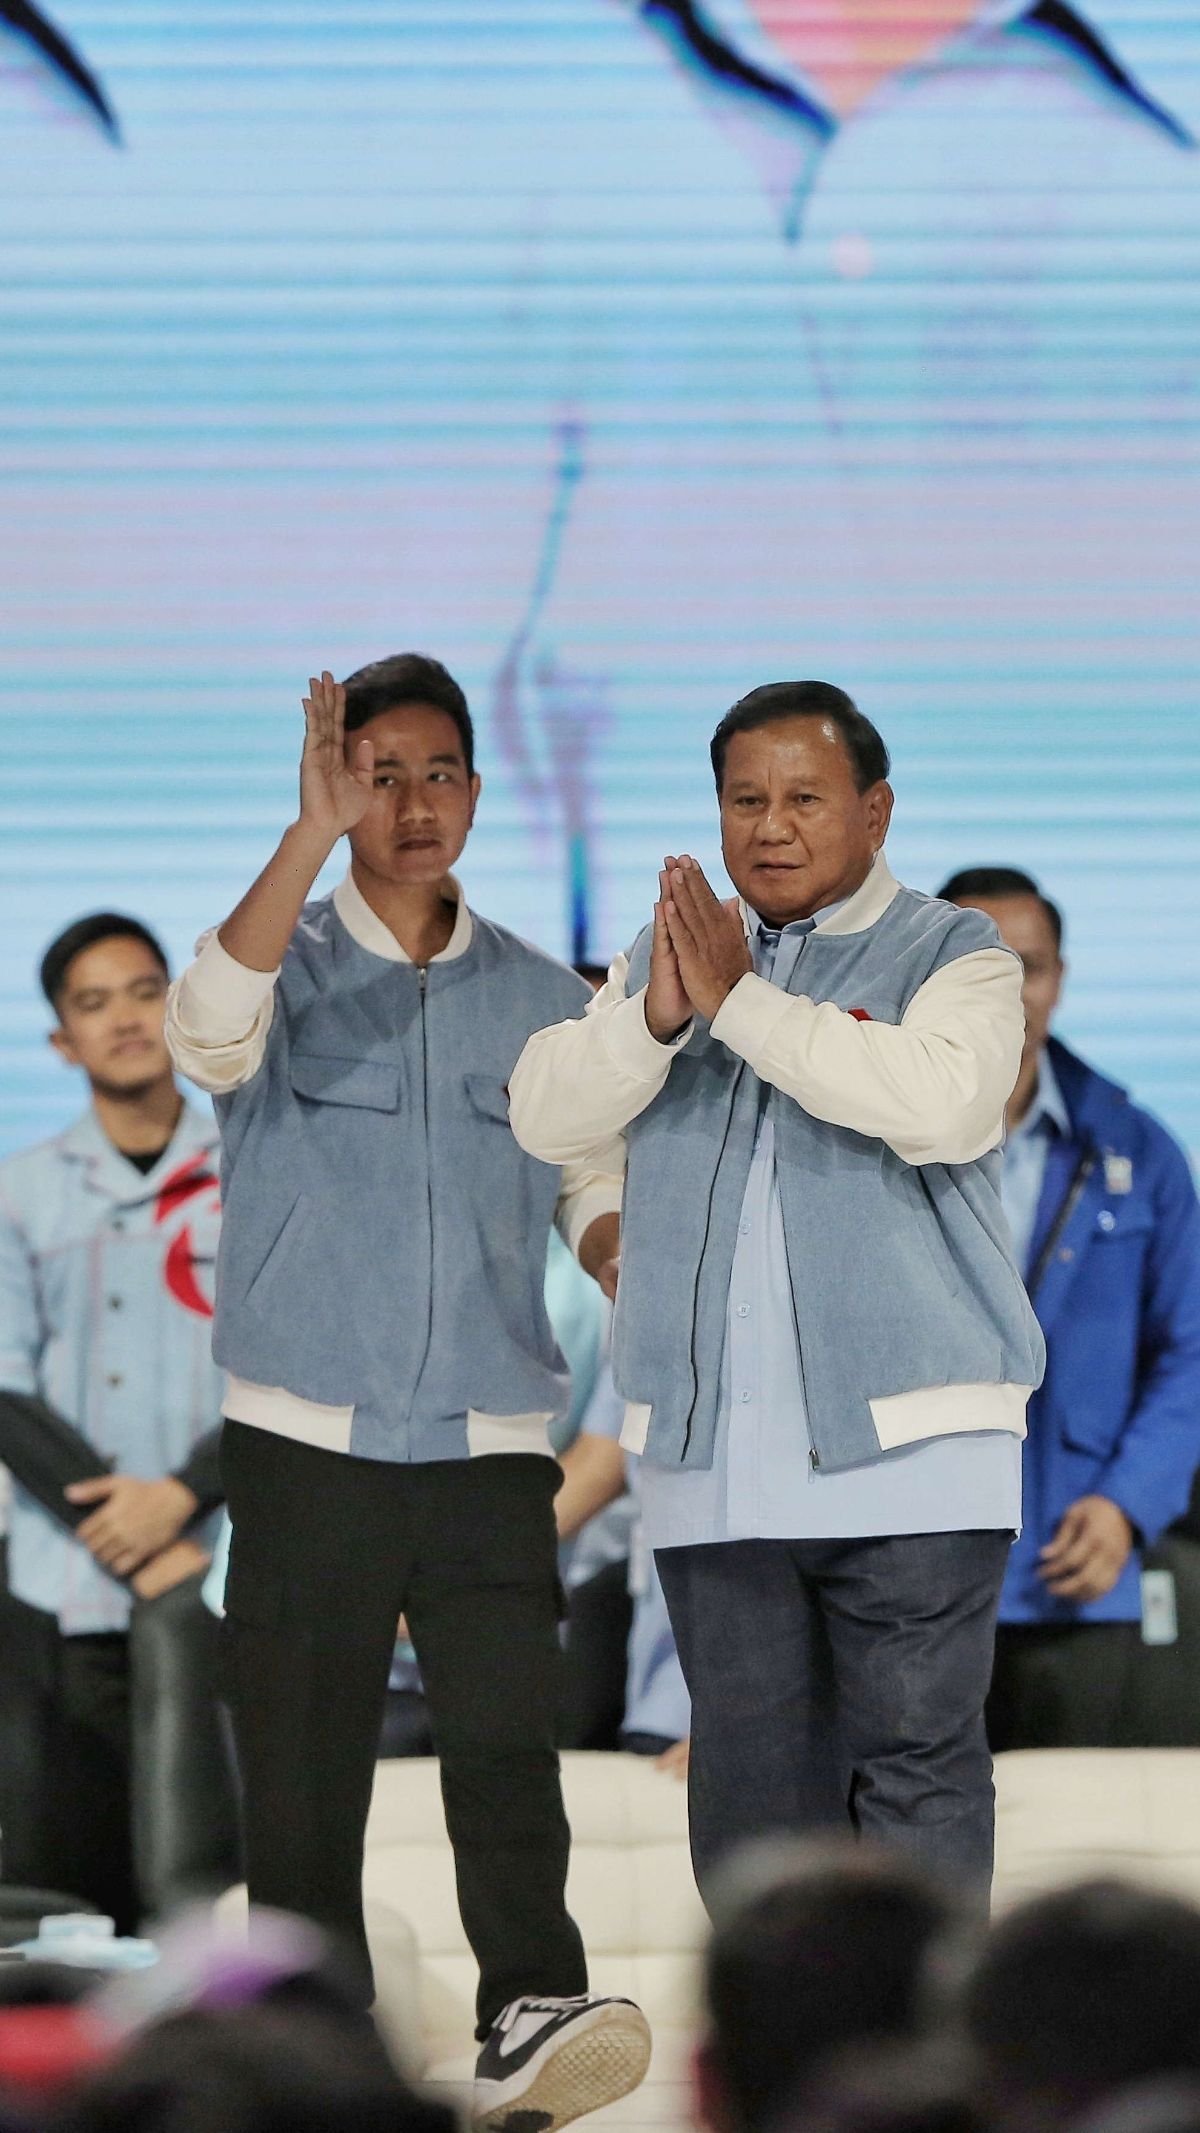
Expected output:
(840, 1685)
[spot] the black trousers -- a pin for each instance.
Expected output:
(65, 1775)
(1061, 1685)
(599, 1619)
(327, 1552)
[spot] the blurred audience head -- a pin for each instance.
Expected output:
(891, 2088)
(260, 2069)
(815, 1948)
(1081, 1993)
(1160, 2107)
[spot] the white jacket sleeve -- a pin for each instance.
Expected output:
(577, 1084)
(589, 1189)
(218, 1016)
(934, 1086)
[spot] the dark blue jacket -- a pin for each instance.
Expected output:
(1114, 1273)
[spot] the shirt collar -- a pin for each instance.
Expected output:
(367, 928)
(195, 1138)
(1048, 1107)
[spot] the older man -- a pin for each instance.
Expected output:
(820, 1331)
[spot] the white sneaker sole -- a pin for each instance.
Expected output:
(586, 2071)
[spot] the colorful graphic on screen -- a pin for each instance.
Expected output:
(624, 356)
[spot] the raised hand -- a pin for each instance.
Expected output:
(668, 1008)
(334, 793)
(708, 937)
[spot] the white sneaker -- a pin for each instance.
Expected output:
(548, 2061)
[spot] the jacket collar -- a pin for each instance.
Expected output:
(867, 905)
(367, 928)
(1096, 1106)
(854, 914)
(195, 1141)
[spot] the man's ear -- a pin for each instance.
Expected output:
(59, 1042)
(710, 2104)
(476, 789)
(880, 804)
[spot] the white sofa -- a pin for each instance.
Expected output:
(1060, 1814)
(630, 1890)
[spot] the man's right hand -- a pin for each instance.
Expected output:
(334, 794)
(668, 1008)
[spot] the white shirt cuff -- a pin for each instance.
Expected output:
(631, 1047)
(219, 998)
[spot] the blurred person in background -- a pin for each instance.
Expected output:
(816, 1949)
(920, 2086)
(109, 1406)
(1079, 1994)
(631, 1673)
(1106, 1230)
(260, 2069)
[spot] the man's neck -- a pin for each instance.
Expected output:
(855, 45)
(143, 1121)
(421, 918)
(1024, 1092)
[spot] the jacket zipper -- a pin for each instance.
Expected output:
(1083, 1171)
(422, 985)
(814, 1457)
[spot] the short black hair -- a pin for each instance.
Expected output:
(970, 882)
(86, 933)
(1082, 1992)
(816, 1948)
(869, 758)
(408, 678)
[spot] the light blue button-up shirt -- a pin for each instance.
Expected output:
(1025, 1150)
(762, 1484)
(106, 1298)
(656, 1696)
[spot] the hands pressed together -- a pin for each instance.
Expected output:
(699, 950)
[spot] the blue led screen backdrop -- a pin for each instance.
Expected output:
(621, 357)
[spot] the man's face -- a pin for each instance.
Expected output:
(424, 801)
(1025, 927)
(796, 833)
(110, 1014)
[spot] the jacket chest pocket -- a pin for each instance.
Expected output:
(353, 1084)
(487, 1096)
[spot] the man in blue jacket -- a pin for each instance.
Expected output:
(1106, 1227)
(392, 1375)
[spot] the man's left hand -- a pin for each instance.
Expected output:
(1089, 1550)
(135, 1520)
(708, 937)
